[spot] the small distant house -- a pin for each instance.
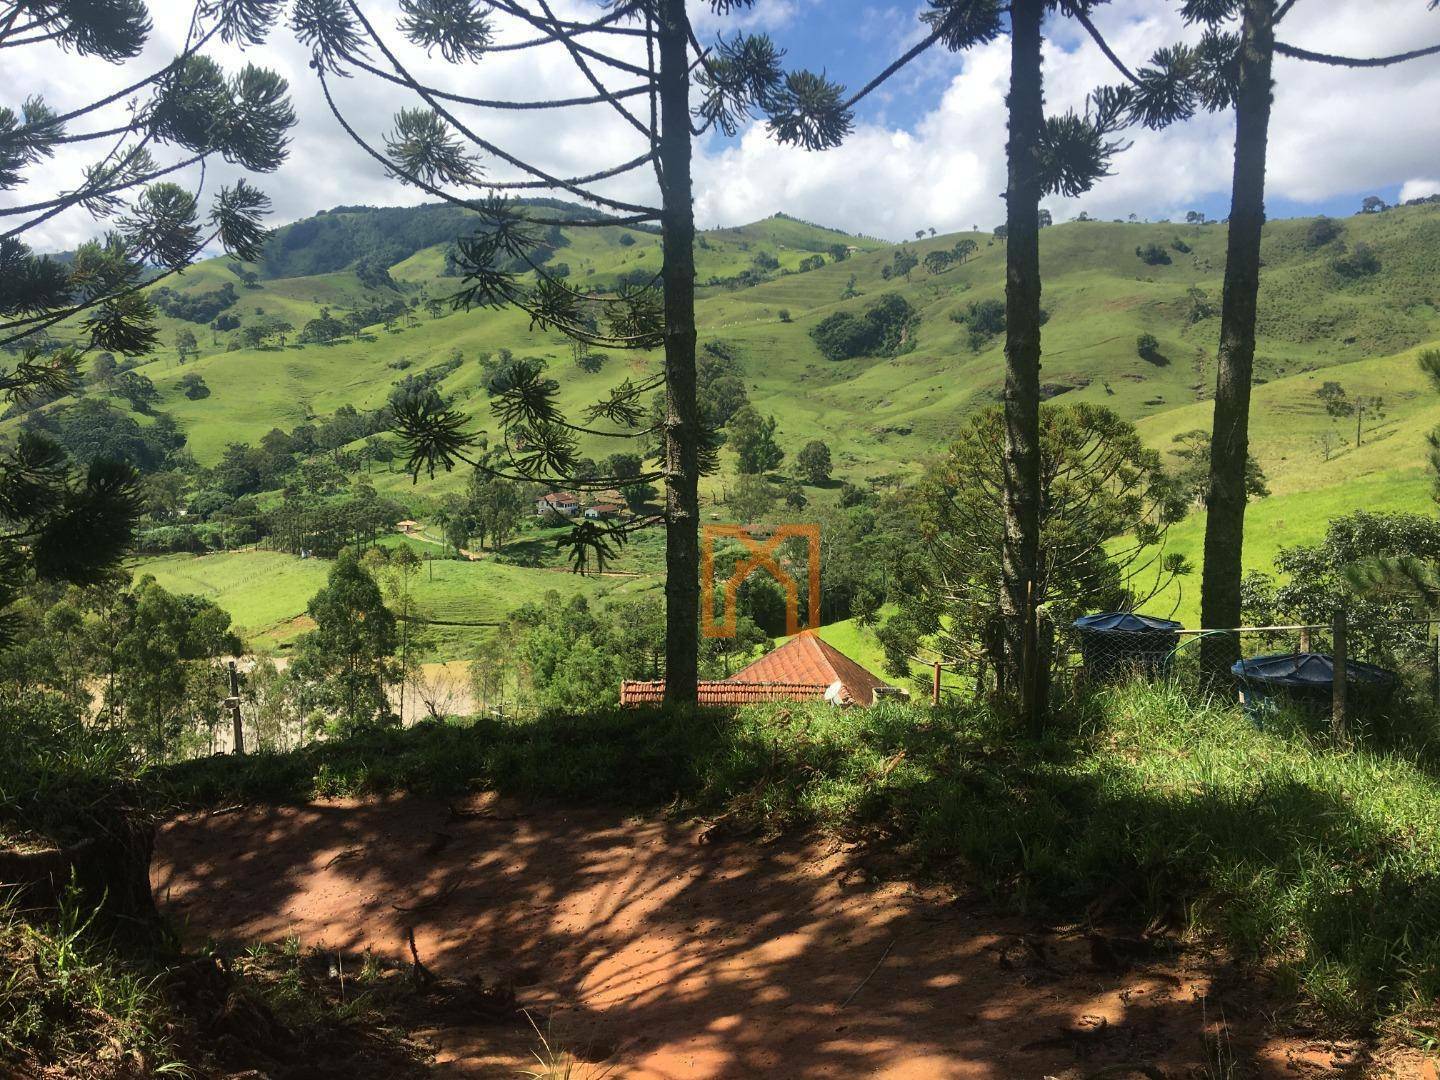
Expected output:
(407, 527)
(805, 668)
(601, 510)
(557, 502)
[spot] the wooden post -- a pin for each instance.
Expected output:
(935, 686)
(235, 710)
(1305, 639)
(1338, 719)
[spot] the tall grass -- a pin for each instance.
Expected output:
(1323, 864)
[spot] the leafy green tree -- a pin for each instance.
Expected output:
(1192, 448)
(397, 568)
(903, 262)
(795, 498)
(963, 249)
(347, 660)
(496, 507)
(723, 398)
(750, 499)
(1107, 504)
(937, 262)
(1147, 347)
(192, 385)
(638, 496)
(812, 464)
(753, 439)
(185, 344)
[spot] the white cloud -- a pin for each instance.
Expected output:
(1335, 131)
(1418, 189)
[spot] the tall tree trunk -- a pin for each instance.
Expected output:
(1022, 360)
(682, 424)
(1230, 437)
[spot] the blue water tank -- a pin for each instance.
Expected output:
(1307, 680)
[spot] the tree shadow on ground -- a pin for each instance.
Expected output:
(712, 952)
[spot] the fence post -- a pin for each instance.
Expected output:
(1436, 684)
(1338, 719)
(234, 704)
(935, 686)
(1305, 639)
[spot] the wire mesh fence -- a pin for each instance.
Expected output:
(1379, 664)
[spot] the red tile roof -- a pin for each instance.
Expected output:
(803, 669)
(559, 498)
(807, 659)
(635, 692)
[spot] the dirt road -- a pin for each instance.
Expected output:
(668, 952)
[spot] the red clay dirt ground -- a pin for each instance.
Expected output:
(664, 952)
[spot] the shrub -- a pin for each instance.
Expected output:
(626, 240)
(1321, 231)
(1153, 255)
(784, 314)
(1180, 246)
(880, 330)
(1360, 262)
(1148, 348)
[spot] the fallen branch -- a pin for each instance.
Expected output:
(872, 971)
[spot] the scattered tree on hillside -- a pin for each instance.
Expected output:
(903, 262)
(1373, 204)
(812, 464)
(753, 439)
(348, 659)
(192, 385)
(1192, 448)
(750, 498)
(1153, 255)
(937, 262)
(1321, 231)
(185, 344)
(963, 249)
(1147, 347)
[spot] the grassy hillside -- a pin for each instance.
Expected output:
(884, 415)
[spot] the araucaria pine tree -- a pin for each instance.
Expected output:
(55, 522)
(636, 58)
(1232, 67)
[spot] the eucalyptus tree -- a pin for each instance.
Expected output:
(636, 59)
(55, 522)
(1233, 67)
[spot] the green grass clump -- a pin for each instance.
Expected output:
(1324, 864)
(68, 1003)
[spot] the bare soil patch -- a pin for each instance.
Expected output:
(664, 951)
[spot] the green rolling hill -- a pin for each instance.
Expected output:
(1321, 319)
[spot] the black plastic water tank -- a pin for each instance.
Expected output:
(1121, 644)
(1307, 680)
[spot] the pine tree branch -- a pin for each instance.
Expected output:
(488, 103)
(558, 35)
(34, 324)
(905, 58)
(464, 129)
(64, 202)
(600, 87)
(1284, 10)
(140, 84)
(1099, 39)
(599, 25)
(644, 214)
(1296, 53)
